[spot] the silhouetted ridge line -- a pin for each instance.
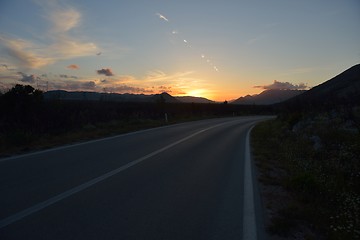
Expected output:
(343, 89)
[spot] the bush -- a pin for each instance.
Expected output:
(324, 177)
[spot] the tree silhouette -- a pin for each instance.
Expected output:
(21, 93)
(20, 104)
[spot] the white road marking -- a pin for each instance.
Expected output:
(37, 207)
(249, 217)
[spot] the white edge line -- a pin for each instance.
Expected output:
(249, 217)
(37, 207)
(88, 142)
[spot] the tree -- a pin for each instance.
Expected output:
(23, 94)
(20, 103)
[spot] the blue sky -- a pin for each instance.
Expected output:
(216, 49)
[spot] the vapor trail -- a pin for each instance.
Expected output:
(162, 17)
(187, 43)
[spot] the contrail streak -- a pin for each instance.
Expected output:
(162, 17)
(187, 43)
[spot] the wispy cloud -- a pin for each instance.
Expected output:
(60, 42)
(64, 19)
(156, 75)
(276, 85)
(25, 53)
(157, 81)
(65, 45)
(160, 76)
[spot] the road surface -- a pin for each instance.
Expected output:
(184, 181)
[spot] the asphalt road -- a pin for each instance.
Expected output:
(184, 181)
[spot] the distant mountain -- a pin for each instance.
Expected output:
(268, 97)
(189, 99)
(342, 89)
(115, 97)
(164, 97)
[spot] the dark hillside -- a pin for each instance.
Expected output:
(310, 155)
(343, 89)
(190, 99)
(268, 97)
(108, 97)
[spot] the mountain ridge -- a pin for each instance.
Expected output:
(125, 97)
(191, 99)
(268, 97)
(344, 89)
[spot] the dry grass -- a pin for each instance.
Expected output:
(310, 184)
(23, 142)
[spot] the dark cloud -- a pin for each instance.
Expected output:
(7, 67)
(67, 76)
(106, 72)
(276, 85)
(165, 89)
(73, 66)
(28, 78)
(70, 85)
(88, 85)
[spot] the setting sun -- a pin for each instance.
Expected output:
(133, 119)
(74, 47)
(197, 93)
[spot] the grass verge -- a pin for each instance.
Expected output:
(309, 172)
(25, 141)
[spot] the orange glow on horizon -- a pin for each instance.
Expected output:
(197, 93)
(218, 96)
(221, 96)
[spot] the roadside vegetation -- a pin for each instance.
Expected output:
(309, 169)
(28, 122)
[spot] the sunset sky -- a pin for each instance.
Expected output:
(219, 49)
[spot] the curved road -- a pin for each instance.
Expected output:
(183, 181)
